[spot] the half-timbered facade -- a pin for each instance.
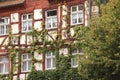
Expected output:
(20, 16)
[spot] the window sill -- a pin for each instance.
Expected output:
(77, 24)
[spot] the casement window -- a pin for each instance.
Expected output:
(26, 22)
(4, 65)
(51, 19)
(4, 26)
(26, 62)
(76, 14)
(75, 52)
(49, 60)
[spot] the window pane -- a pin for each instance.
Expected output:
(48, 23)
(24, 17)
(30, 25)
(2, 29)
(6, 67)
(48, 54)
(24, 57)
(54, 22)
(24, 66)
(7, 28)
(53, 62)
(74, 8)
(29, 56)
(30, 16)
(48, 63)
(51, 13)
(80, 17)
(74, 51)
(74, 62)
(74, 18)
(29, 65)
(5, 59)
(24, 26)
(1, 68)
(6, 20)
(80, 7)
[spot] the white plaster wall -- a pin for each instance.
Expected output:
(64, 23)
(22, 39)
(53, 34)
(38, 14)
(29, 40)
(14, 77)
(64, 34)
(38, 56)
(6, 41)
(63, 51)
(58, 13)
(38, 25)
(38, 66)
(14, 17)
(72, 32)
(15, 28)
(65, 9)
(1, 40)
(95, 9)
(22, 76)
(86, 13)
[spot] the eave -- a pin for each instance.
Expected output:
(10, 3)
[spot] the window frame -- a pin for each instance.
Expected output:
(27, 62)
(51, 17)
(4, 65)
(5, 25)
(26, 20)
(78, 52)
(77, 12)
(52, 57)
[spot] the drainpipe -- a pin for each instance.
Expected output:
(90, 9)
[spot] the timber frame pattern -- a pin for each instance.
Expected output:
(63, 36)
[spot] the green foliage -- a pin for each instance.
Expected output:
(36, 75)
(70, 74)
(101, 44)
(61, 73)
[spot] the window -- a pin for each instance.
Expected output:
(73, 60)
(26, 62)
(51, 19)
(26, 22)
(50, 60)
(4, 65)
(4, 26)
(76, 14)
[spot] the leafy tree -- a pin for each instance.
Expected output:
(101, 44)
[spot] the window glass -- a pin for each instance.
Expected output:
(26, 62)
(51, 13)
(4, 26)
(26, 22)
(51, 19)
(76, 14)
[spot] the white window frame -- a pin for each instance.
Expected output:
(78, 52)
(26, 20)
(52, 58)
(5, 25)
(27, 62)
(77, 12)
(51, 17)
(4, 65)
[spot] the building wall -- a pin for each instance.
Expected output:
(38, 9)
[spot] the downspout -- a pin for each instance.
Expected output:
(90, 9)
